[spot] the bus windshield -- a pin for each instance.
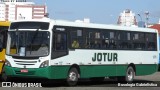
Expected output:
(28, 43)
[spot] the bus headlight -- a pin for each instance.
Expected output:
(7, 63)
(44, 64)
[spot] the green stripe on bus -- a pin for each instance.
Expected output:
(60, 72)
(144, 69)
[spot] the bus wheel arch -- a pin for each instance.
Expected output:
(73, 75)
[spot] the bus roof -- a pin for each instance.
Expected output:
(4, 23)
(102, 26)
(90, 25)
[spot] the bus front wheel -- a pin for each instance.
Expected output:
(72, 77)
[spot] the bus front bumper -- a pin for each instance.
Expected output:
(47, 72)
(21, 72)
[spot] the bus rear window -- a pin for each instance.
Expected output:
(30, 25)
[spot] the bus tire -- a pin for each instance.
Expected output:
(72, 77)
(130, 73)
(129, 76)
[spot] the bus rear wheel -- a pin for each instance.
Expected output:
(130, 73)
(72, 77)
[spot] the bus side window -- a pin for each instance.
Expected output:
(139, 41)
(112, 44)
(76, 38)
(59, 47)
(105, 39)
(105, 43)
(151, 41)
(112, 40)
(60, 42)
(75, 44)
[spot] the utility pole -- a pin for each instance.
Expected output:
(147, 17)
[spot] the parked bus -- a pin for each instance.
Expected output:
(56, 49)
(3, 38)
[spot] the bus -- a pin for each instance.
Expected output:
(58, 49)
(4, 25)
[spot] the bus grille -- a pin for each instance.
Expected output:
(25, 62)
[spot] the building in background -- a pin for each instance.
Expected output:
(156, 26)
(127, 18)
(20, 9)
(141, 24)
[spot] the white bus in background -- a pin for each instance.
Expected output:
(55, 49)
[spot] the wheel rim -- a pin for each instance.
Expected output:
(72, 76)
(130, 75)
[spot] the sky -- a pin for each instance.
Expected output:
(100, 11)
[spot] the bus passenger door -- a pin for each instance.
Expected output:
(59, 48)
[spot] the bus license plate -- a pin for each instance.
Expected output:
(24, 71)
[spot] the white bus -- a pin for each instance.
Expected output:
(56, 49)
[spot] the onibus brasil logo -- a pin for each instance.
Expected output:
(13, 84)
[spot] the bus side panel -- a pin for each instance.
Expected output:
(118, 70)
(2, 59)
(53, 72)
(121, 70)
(59, 72)
(97, 71)
(2, 55)
(146, 69)
(1, 66)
